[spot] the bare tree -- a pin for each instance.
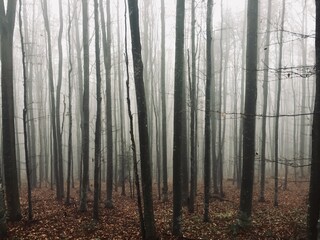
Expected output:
(250, 111)
(142, 121)
(207, 157)
(85, 110)
(314, 190)
(7, 22)
(178, 108)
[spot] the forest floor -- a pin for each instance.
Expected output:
(54, 220)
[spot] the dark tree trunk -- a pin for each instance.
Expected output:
(59, 131)
(163, 106)
(207, 157)
(70, 150)
(97, 140)
(25, 115)
(85, 110)
(314, 191)
(178, 108)
(142, 121)
(249, 121)
(7, 21)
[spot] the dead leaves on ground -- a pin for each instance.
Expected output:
(53, 220)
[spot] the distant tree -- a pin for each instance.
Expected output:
(276, 133)
(55, 149)
(193, 113)
(178, 108)
(7, 22)
(207, 157)
(146, 178)
(249, 121)
(25, 114)
(58, 97)
(70, 148)
(85, 110)
(106, 41)
(163, 106)
(314, 189)
(265, 105)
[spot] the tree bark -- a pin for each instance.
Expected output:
(178, 108)
(207, 157)
(85, 110)
(142, 121)
(249, 122)
(314, 188)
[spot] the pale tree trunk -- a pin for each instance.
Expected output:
(55, 154)
(265, 106)
(276, 133)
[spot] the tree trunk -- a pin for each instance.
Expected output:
(164, 106)
(7, 20)
(142, 121)
(314, 189)
(178, 108)
(265, 106)
(207, 164)
(249, 122)
(85, 110)
(97, 140)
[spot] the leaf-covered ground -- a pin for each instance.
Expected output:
(53, 220)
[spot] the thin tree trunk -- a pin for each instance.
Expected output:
(276, 133)
(207, 164)
(265, 106)
(85, 105)
(25, 115)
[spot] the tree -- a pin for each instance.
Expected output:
(85, 110)
(7, 22)
(25, 114)
(314, 188)
(70, 148)
(207, 157)
(55, 154)
(146, 179)
(106, 40)
(249, 115)
(163, 106)
(60, 185)
(97, 140)
(265, 105)
(178, 108)
(276, 133)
